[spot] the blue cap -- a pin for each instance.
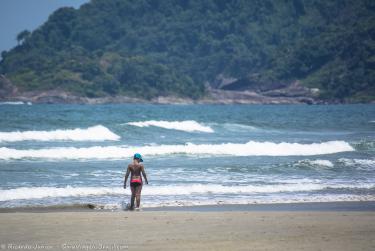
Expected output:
(138, 156)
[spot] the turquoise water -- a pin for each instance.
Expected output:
(193, 154)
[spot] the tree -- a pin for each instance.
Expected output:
(22, 36)
(175, 47)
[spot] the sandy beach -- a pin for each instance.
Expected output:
(189, 230)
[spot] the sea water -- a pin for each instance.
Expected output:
(193, 154)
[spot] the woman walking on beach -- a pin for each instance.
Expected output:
(135, 170)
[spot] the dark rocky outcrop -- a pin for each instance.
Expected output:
(7, 89)
(228, 91)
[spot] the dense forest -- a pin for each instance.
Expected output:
(179, 47)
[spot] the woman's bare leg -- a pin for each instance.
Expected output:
(132, 197)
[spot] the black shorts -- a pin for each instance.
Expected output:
(136, 188)
(135, 184)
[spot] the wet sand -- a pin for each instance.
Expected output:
(189, 230)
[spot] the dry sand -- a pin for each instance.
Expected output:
(171, 230)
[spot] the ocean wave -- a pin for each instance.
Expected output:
(167, 202)
(364, 164)
(251, 148)
(187, 125)
(364, 145)
(239, 127)
(94, 133)
(317, 162)
(15, 103)
(172, 190)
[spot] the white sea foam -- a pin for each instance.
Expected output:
(251, 148)
(164, 201)
(187, 125)
(239, 127)
(15, 103)
(321, 162)
(172, 190)
(249, 200)
(366, 164)
(94, 133)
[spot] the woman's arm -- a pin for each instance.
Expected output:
(126, 176)
(144, 173)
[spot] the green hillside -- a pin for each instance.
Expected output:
(169, 47)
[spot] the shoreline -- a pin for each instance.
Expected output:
(174, 101)
(338, 206)
(168, 101)
(214, 96)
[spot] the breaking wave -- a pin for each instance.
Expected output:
(251, 148)
(44, 192)
(317, 162)
(187, 125)
(15, 103)
(94, 133)
(364, 164)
